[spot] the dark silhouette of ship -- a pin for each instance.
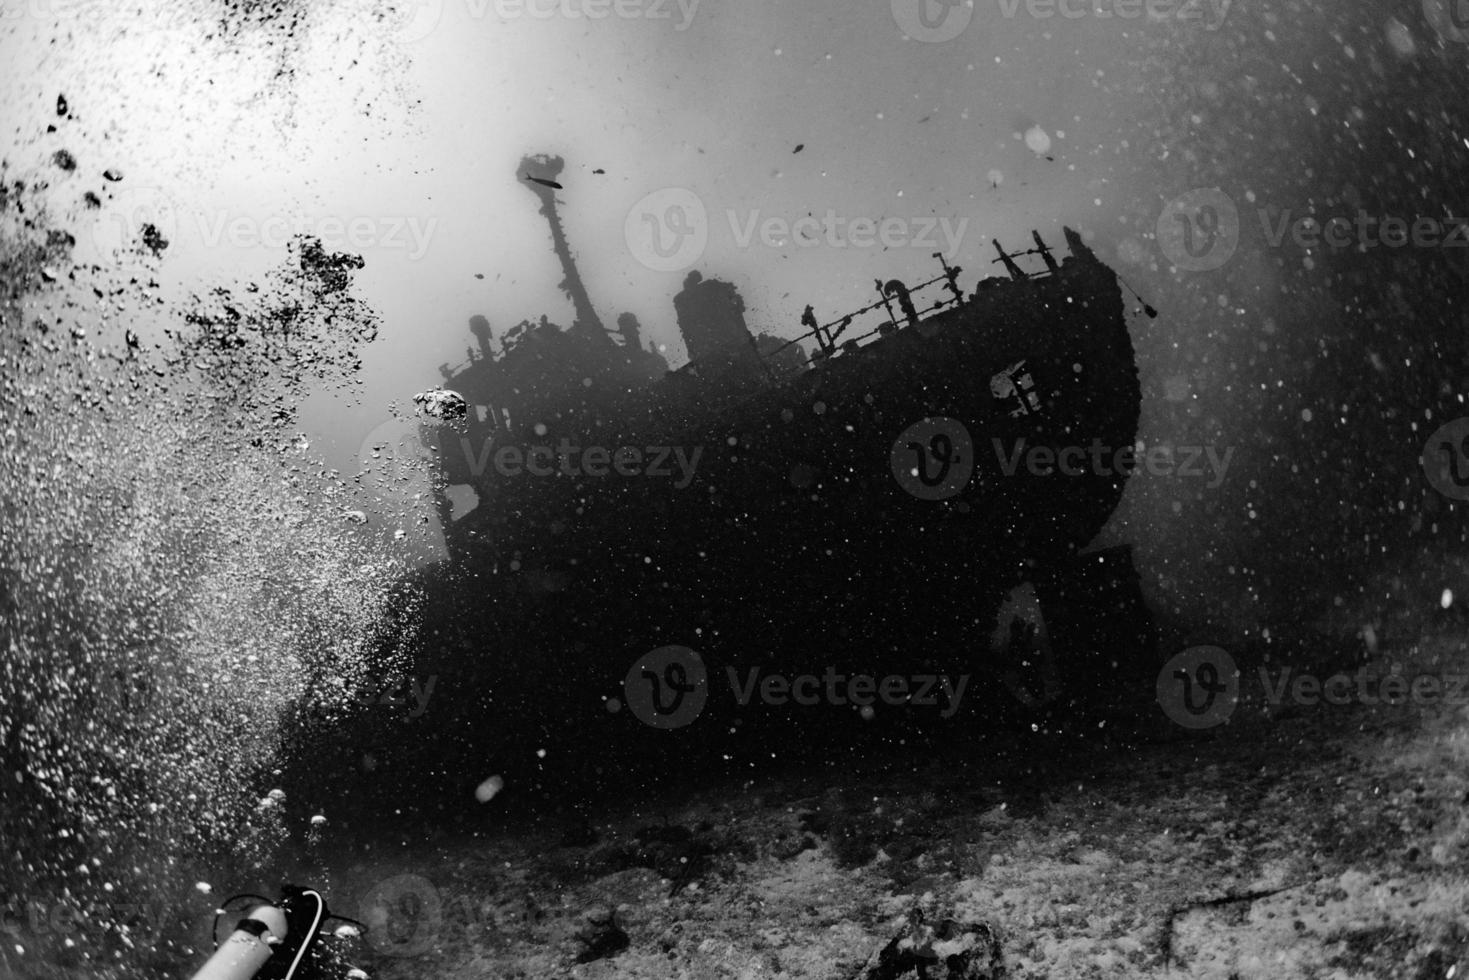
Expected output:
(874, 504)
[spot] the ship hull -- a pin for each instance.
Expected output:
(794, 499)
(822, 530)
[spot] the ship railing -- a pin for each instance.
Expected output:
(828, 336)
(1013, 267)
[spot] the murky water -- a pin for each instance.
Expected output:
(266, 615)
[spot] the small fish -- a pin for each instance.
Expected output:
(61, 106)
(799, 147)
(542, 181)
(599, 170)
(479, 275)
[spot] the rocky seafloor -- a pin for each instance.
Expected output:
(1295, 841)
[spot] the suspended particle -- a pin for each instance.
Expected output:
(1038, 140)
(487, 790)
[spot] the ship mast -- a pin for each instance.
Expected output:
(539, 173)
